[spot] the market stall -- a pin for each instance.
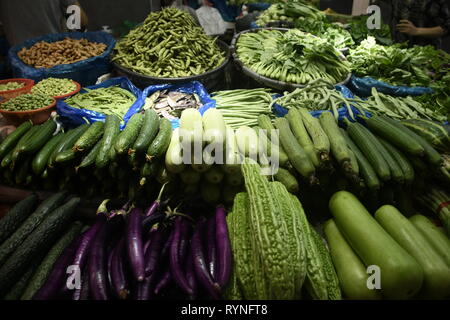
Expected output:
(157, 185)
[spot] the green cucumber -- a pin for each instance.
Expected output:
(67, 142)
(351, 271)
(41, 274)
(89, 159)
(30, 224)
(41, 239)
(435, 133)
(41, 159)
(161, 143)
(89, 138)
(148, 132)
(112, 130)
(65, 157)
(128, 136)
(23, 169)
(20, 286)
(401, 276)
(12, 139)
(436, 281)
(7, 160)
(40, 138)
(394, 166)
(18, 214)
(403, 162)
(18, 149)
(288, 179)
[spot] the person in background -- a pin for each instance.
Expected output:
(27, 19)
(421, 22)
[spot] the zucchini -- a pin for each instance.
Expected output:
(89, 138)
(214, 128)
(302, 136)
(436, 274)
(435, 133)
(433, 157)
(317, 134)
(401, 275)
(43, 270)
(297, 155)
(39, 138)
(393, 134)
(159, 146)
(191, 128)
(247, 141)
(38, 241)
(214, 175)
(174, 154)
(67, 142)
(41, 159)
(148, 132)
(90, 158)
(367, 143)
(12, 139)
(288, 180)
(16, 215)
(112, 130)
(31, 223)
(349, 267)
(403, 162)
(128, 136)
(268, 230)
(394, 166)
(265, 123)
(434, 235)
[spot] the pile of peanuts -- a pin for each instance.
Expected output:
(46, 55)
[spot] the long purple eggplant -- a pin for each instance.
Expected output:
(156, 204)
(135, 247)
(190, 275)
(165, 280)
(175, 262)
(118, 273)
(83, 292)
(57, 277)
(148, 222)
(200, 265)
(152, 256)
(86, 239)
(98, 282)
(223, 247)
(212, 248)
(111, 254)
(185, 239)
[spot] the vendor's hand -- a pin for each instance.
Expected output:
(407, 27)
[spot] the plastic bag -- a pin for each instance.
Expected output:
(362, 87)
(280, 111)
(84, 72)
(211, 20)
(191, 88)
(74, 117)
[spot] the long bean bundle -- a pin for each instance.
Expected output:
(242, 107)
(168, 44)
(292, 56)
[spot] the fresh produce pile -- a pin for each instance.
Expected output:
(357, 27)
(275, 13)
(170, 104)
(11, 86)
(54, 87)
(242, 107)
(168, 44)
(291, 56)
(27, 102)
(112, 100)
(49, 54)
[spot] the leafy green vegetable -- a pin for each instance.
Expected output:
(359, 31)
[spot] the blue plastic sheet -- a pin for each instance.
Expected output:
(85, 72)
(74, 117)
(362, 87)
(190, 88)
(280, 111)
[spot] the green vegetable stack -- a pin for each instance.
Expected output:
(292, 56)
(169, 44)
(27, 102)
(54, 87)
(110, 101)
(11, 86)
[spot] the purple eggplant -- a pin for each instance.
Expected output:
(184, 239)
(190, 275)
(135, 247)
(223, 247)
(98, 282)
(175, 262)
(152, 256)
(166, 278)
(118, 272)
(148, 222)
(156, 204)
(212, 248)
(86, 239)
(200, 265)
(109, 265)
(82, 293)
(57, 277)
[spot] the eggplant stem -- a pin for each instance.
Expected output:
(174, 213)
(161, 192)
(102, 207)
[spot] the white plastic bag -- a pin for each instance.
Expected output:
(211, 20)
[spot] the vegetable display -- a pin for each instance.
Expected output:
(170, 104)
(54, 87)
(358, 29)
(27, 102)
(49, 54)
(168, 44)
(292, 56)
(12, 85)
(110, 100)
